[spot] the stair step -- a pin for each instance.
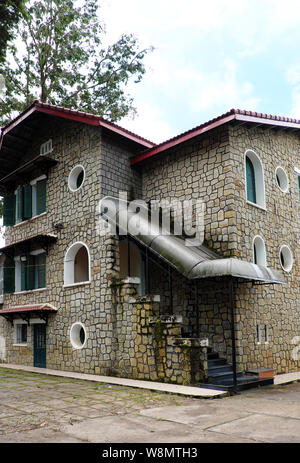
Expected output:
(212, 355)
(225, 368)
(216, 362)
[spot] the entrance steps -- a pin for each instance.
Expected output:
(220, 375)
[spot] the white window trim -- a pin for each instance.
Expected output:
(290, 267)
(259, 179)
(70, 178)
(262, 249)
(72, 336)
(287, 179)
(297, 170)
(48, 145)
(16, 323)
(69, 265)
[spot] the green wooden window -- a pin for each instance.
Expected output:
(27, 202)
(33, 272)
(40, 197)
(9, 210)
(299, 186)
(40, 262)
(9, 275)
(28, 273)
(19, 203)
(250, 179)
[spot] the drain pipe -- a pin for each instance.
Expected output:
(232, 307)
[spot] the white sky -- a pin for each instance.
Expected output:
(210, 56)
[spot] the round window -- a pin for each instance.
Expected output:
(286, 258)
(282, 179)
(78, 335)
(76, 178)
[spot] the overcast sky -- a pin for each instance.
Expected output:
(210, 56)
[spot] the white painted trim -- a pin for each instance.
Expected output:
(73, 178)
(297, 170)
(284, 178)
(80, 283)
(37, 252)
(259, 178)
(289, 257)
(261, 249)
(69, 264)
(74, 335)
(35, 180)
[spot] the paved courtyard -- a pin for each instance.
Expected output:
(40, 408)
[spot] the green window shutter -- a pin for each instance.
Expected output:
(250, 179)
(27, 192)
(30, 275)
(299, 185)
(9, 210)
(41, 197)
(19, 203)
(41, 270)
(23, 275)
(9, 275)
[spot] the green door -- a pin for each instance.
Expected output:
(39, 343)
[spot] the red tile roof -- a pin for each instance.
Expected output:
(233, 114)
(29, 308)
(78, 116)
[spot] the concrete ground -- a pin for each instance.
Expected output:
(38, 408)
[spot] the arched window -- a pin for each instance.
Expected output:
(255, 189)
(77, 264)
(137, 263)
(259, 251)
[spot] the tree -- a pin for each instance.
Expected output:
(10, 13)
(60, 59)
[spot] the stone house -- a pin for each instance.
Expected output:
(77, 299)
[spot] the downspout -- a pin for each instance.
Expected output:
(231, 308)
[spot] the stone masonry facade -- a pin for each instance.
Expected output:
(135, 336)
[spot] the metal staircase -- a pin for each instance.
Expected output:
(220, 375)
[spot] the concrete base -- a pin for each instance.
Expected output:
(152, 385)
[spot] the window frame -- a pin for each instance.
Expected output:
(259, 251)
(69, 265)
(23, 279)
(260, 197)
(19, 327)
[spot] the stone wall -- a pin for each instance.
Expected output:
(91, 303)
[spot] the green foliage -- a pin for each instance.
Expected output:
(63, 61)
(10, 13)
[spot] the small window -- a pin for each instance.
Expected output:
(76, 178)
(77, 264)
(255, 189)
(259, 251)
(266, 334)
(21, 333)
(258, 334)
(282, 179)
(78, 335)
(286, 258)
(46, 147)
